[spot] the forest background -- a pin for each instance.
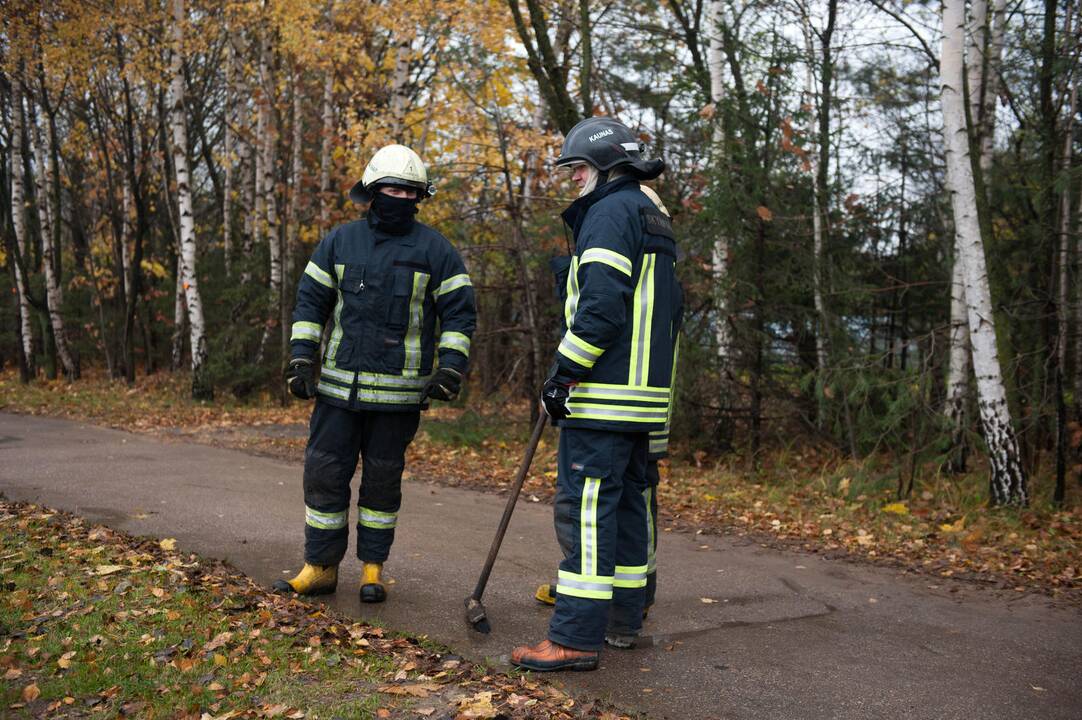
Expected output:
(878, 205)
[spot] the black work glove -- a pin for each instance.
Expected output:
(554, 395)
(444, 385)
(301, 379)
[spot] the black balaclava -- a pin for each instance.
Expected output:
(391, 214)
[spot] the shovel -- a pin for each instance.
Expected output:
(475, 611)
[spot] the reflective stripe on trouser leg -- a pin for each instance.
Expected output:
(386, 436)
(632, 541)
(588, 495)
(329, 463)
(653, 478)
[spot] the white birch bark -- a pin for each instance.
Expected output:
(53, 295)
(991, 86)
(958, 373)
(1078, 312)
(267, 163)
(715, 61)
(976, 39)
(197, 328)
(229, 161)
(1008, 480)
(125, 236)
(399, 97)
(296, 188)
(325, 152)
(817, 224)
(18, 221)
(180, 318)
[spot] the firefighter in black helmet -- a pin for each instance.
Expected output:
(608, 389)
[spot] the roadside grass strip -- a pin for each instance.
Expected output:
(96, 623)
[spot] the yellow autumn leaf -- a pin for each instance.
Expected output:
(957, 526)
(168, 544)
(109, 569)
(896, 508)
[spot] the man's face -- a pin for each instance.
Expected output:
(580, 174)
(399, 192)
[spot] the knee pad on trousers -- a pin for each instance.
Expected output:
(381, 484)
(326, 479)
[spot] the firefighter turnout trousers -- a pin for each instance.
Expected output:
(602, 527)
(653, 479)
(337, 437)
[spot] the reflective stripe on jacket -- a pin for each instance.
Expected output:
(620, 312)
(382, 295)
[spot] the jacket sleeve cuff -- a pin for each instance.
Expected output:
(303, 349)
(453, 359)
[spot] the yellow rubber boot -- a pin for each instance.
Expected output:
(372, 588)
(311, 580)
(545, 594)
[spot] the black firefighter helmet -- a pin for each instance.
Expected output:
(607, 143)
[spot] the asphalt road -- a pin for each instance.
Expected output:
(790, 635)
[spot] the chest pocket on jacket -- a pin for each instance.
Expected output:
(408, 288)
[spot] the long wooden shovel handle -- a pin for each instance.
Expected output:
(516, 488)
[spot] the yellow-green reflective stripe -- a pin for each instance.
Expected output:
(651, 553)
(376, 519)
(643, 311)
(580, 411)
(572, 303)
(389, 397)
(336, 333)
(344, 376)
(318, 274)
(451, 340)
(630, 576)
(377, 379)
(453, 283)
(584, 586)
(325, 521)
(412, 343)
(585, 391)
(607, 257)
(306, 331)
(578, 351)
(588, 525)
(333, 390)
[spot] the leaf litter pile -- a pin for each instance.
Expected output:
(96, 623)
(812, 500)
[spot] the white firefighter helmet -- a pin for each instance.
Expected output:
(393, 165)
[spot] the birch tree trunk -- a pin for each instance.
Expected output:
(1008, 480)
(399, 97)
(18, 221)
(958, 374)
(201, 386)
(817, 233)
(715, 62)
(229, 161)
(267, 163)
(991, 85)
(125, 236)
(293, 236)
(53, 295)
(325, 152)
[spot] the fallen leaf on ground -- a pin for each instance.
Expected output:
(31, 692)
(109, 569)
(168, 544)
(707, 601)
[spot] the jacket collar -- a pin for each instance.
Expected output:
(576, 212)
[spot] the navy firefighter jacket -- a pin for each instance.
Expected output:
(384, 295)
(621, 312)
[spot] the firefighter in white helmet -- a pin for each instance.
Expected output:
(383, 284)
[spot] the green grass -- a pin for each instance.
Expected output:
(141, 640)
